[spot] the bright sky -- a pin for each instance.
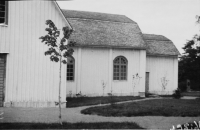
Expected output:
(174, 19)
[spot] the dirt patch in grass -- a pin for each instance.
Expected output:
(156, 107)
(85, 101)
(102, 125)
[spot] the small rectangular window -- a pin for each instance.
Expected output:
(3, 12)
(70, 70)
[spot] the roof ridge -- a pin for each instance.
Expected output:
(155, 37)
(99, 20)
(92, 12)
(97, 16)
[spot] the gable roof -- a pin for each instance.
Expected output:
(159, 45)
(104, 30)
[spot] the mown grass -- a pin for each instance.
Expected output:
(85, 101)
(156, 107)
(102, 125)
(193, 94)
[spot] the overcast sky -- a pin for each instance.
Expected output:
(174, 19)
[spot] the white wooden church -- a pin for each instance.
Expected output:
(111, 56)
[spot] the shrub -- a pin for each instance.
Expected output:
(182, 86)
(177, 93)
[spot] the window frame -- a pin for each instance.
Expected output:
(6, 14)
(120, 69)
(73, 68)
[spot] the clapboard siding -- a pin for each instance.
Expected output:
(31, 76)
(94, 71)
(95, 65)
(136, 63)
(159, 67)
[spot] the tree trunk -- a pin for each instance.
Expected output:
(59, 98)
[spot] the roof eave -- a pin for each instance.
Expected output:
(110, 46)
(59, 9)
(163, 55)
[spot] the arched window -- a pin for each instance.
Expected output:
(70, 69)
(120, 66)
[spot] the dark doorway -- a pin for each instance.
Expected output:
(2, 77)
(147, 82)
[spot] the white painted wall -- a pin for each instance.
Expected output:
(136, 64)
(159, 67)
(91, 68)
(31, 78)
(95, 65)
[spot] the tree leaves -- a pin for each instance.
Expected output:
(52, 51)
(189, 63)
(67, 32)
(55, 50)
(54, 58)
(64, 61)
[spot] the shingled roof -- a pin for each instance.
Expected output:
(159, 45)
(112, 30)
(104, 30)
(96, 16)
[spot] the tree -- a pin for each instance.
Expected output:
(58, 50)
(189, 63)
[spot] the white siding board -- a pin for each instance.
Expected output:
(16, 54)
(79, 63)
(20, 54)
(44, 65)
(162, 67)
(142, 73)
(2, 39)
(126, 87)
(10, 63)
(30, 74)
(25, 90)
(94, 70)
(110, 71)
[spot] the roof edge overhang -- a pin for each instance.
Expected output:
(89, 19)
(103, 46)
(162, 55)
(59, 9)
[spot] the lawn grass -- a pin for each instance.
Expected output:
(102, 125)
(192, 94)
(166, 96)
(85, 101)
(156, 107)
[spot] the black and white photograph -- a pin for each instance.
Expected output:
(100, 64)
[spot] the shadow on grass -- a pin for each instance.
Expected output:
(102, 125)
(86, 101)
(156, 107)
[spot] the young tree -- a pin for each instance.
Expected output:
(60, 49)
